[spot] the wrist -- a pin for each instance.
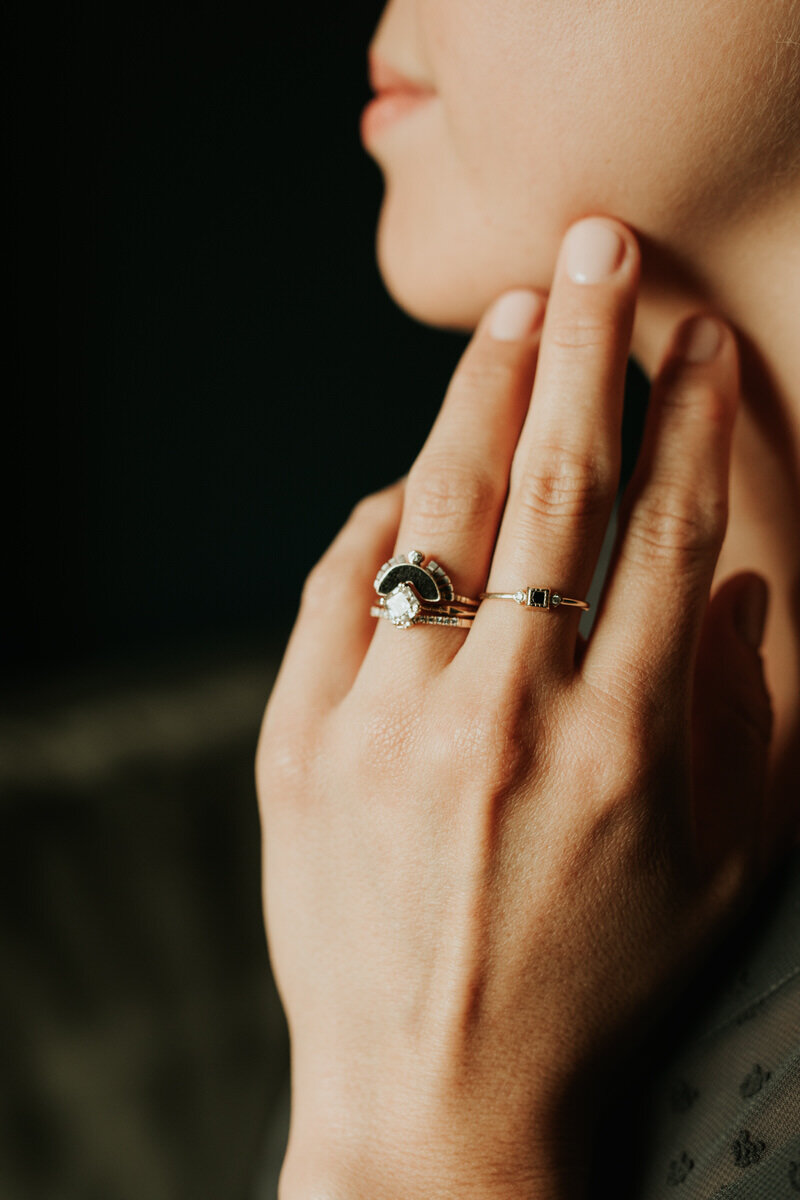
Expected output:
(406, 1170)
(385, 1135)
(336, 1183)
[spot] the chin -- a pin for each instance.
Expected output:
(444, 269)
(423, 283)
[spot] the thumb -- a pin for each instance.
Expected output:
(732, 724)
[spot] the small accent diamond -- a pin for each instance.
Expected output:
(519, 597)
(415, 557)
(555, 600)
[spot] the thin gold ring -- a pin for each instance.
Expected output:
(537, 597)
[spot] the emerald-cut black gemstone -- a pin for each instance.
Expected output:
(538, 597)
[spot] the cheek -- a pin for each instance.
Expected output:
(481, 186)
(455, 227)
(550, 111)
(552, 115)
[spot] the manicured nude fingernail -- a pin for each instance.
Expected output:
(699, 339)
(593, 250)
(516, 315)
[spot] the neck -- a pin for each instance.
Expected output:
(751, 276)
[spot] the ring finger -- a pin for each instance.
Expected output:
(457, 486)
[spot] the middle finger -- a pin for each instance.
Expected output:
(565, 470)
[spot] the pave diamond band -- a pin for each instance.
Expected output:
(424, 617)
(537, 597)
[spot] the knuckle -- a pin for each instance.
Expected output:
(565, 484)
(703, 399)
(642, 738)
(629, 715)
(378, 741)
(494, 743)
(373, 509)
(283, 756)
(443, 493)
(369, 507)
(493, 725)
(324, 575)
(680, 526)
(580, 331)
(513, 749)
(480, 373)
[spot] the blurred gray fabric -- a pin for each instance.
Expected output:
(721, 1101)
(144, 1050)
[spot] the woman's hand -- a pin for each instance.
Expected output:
(491, 854)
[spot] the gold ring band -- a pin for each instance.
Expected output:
(537, 597)
(425, 617)
(464, 602)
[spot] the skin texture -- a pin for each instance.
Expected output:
(681, 119)
(479, 890)
(491, 857)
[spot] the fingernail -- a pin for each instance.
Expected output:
(593, 250)
(516, 315)
(750, 611)
(699, 339)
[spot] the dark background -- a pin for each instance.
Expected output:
(206, 343)
(203, 352)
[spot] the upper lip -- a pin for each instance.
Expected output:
(383, 77)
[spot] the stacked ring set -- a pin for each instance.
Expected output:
(413, 592)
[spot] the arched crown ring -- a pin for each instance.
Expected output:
(413, 592)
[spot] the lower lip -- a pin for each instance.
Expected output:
(387, 108)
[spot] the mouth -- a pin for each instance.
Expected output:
(384, 77)
(396, 96)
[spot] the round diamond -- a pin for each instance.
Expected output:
(519, 597)
(555, 599)
(402, 605)
(415, 557)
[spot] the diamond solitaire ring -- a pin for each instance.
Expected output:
(537, 597)
(410, 593)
